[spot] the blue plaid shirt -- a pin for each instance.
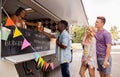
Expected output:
(63, 55)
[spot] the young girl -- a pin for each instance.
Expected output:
(89, 52)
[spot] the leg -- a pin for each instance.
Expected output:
(82, 70)
(104, 75)
(107, 70)
(101, 74)
(100, 68)
(107, 75)
(104, 72)
(65, 70)
(91, 71)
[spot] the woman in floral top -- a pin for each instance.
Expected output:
(89, 53)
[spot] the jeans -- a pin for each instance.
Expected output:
(65, 70)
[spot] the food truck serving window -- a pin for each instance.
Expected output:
(12, 46)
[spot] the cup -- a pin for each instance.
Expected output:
(5, 33)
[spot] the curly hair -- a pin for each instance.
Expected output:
(19, 10)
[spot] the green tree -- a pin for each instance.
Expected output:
(77, 33)
(114, 32)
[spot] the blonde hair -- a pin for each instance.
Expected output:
(92, 30)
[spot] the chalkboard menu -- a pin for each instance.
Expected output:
(12, 46)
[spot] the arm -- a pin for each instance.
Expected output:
(82, 60)
(92, 47)
(108, 41)
(14, 19)
(60, 44)
(48, 34)
(108, 49)
(92, 50)
(31, 23)
(64, 42)
(45, 33)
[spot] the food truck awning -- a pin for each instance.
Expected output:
(70, 10)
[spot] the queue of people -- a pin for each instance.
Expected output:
(96, 45)
(96, 49)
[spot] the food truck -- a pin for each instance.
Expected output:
(21, 62)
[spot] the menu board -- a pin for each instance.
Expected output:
(12, 46)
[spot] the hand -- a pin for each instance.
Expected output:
(40, 28)
(86, 62)
(57, 42)
(105, 64)
(54, 59)
(82, 60)
(36, 24)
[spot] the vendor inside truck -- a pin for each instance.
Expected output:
(18, 19)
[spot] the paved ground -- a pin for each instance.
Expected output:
(75, 65)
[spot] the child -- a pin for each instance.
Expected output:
(89, 52)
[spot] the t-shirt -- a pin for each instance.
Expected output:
(102, 38)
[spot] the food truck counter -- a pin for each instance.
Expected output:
(27, 57)
(23, 61)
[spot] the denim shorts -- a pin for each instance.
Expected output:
(106, 70)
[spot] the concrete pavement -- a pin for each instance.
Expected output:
(75, 65)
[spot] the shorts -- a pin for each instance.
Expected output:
(106, 70)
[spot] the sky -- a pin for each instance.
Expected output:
(110, 9)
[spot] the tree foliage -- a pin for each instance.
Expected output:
(77, 33)
(114, 32)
